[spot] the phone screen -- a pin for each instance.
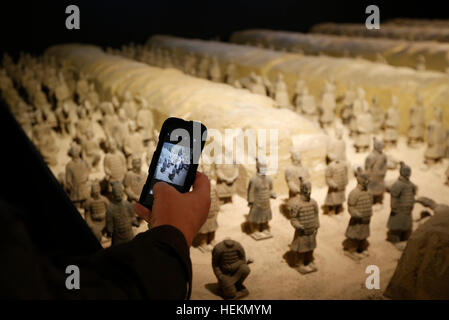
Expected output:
(173, 164)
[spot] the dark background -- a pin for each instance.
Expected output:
(34, 25)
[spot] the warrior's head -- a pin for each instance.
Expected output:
(362, 178)
(132, 126)
(127, 96)
(122, 115)
(82, 113)
(404, 170)
(378, 145)
(136, 163)
(229, 243)
(75, 151)
(360, 93)
(95, 189)
(117, 191)
(261, 165)
(338, 132)
(112, 145)
(296, 157)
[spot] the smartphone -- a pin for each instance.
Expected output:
(175, 160)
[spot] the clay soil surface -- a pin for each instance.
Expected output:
(338, 277)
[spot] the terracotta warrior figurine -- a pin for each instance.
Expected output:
(377, 114)
(96, 207)
(114, 163)
(93, 97)
(227, 174)
(44, 140)
(109, 119)
(82, 88)
(129, 106)
(256, 84)
(281, 94)
(50, 117)
(230, 75)
(77, 176)
(231, 268)
(359, 106)
(133, 143)
(304, 218)
(364, 129)
(134, 180)
(307, 106)
(190, 64)
(436, 138)
(260, 191)
(120, 216)
(348, 100)
(327, 108)
(417, 126)
(295, 171)
(62, 91)
(214, 70)
(402, 193)
(120, 129)
(90, 150)
(421, 65)
(391, 124)
(82, 125)
(145, 121)
(66, 120)
(299, 88)
(376, 169)
(360, 207)
(205, 237)
(336, 179)
(203, 67)
(336, 148)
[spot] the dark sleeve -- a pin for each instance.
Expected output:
(155, 265)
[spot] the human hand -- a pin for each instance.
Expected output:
(184, 211)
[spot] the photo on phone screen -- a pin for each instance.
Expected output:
(173, 164)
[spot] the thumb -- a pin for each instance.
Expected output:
(142, 211)
(201, 185)
(162, 190)
(201, 190)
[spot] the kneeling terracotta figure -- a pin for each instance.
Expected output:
(231, 268)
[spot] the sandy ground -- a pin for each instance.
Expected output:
(338, 277)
